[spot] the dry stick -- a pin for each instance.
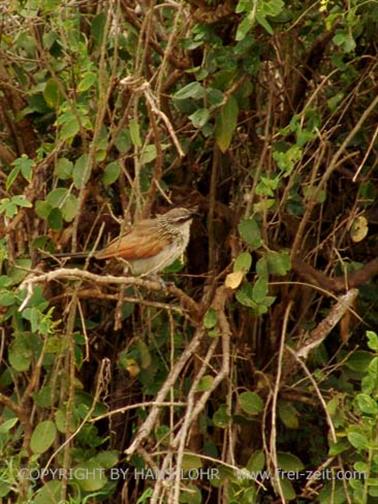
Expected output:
(149, 423)
(319, 334)
(135, 406)
(77, 274)
(273, 434)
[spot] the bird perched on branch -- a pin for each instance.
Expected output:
(151, 244)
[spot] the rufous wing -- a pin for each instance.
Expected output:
(141, 242)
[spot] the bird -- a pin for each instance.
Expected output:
(150, 245)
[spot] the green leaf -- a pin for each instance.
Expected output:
(359, 361)
(55, 219)
(13, 174)
(225, 124)
(372, 340)
(19, 354)
(244, 296)
(51, 93)
(98, 28)
(205, 383)
(193, 90)
(256, 461)
(288, 415)
(191, 462)
(7, 298)
(278, 263)
(210, 318)
(135, 133)
(200, 117)
(70, 208)
(20, 270)
(89, 476)
(43, 436)
(81, 172)
(88, 80)
(243, 262)
(111, 173)
(42, 209)
(244, 6)
(287, 489)
(221, 418)
(260, 290)
(244, 26)
(6, 426)
(123, 141)
(148, 154)
(57, 197)
(63, 169)
(289, 462)
(49, 493)
(71, 128)
(250, 232)
(251, 403)
(367, 404)
(21, 201)
(358, 440)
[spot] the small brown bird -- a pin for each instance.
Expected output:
(151, 244)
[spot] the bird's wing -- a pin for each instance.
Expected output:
(137, 243)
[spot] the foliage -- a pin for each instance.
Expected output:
(261, 112)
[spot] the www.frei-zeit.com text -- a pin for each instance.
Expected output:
(116, 473)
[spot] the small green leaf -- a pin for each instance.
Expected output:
(367, 404)
(260, 290)
(278, 263)
(51, 93)
(71, 128)
(358, 440)
(205, 383)
(200, 117)
(63, 169)
(210, 318)
(191, 462)
(8, 425)
(81, 172)
(55, 219)
(359, 361)
(148, 154)
(288, 415)
(250, 232)
(256, 461)
(135, 133)
(49, 493)
(123, 141)
(289, 462)
(226, 122)
(111, 173)
(243, 262)
(57, 197)
(88, 80)
(70, 208)
(193, 90)
(42, 209)
(372, 340)
(43, 436)
(98, 28)
(251, 403)
(244, 26)
(221, 418)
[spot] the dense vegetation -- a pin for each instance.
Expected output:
(259, 351)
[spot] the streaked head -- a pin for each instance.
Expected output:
(178, 216)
